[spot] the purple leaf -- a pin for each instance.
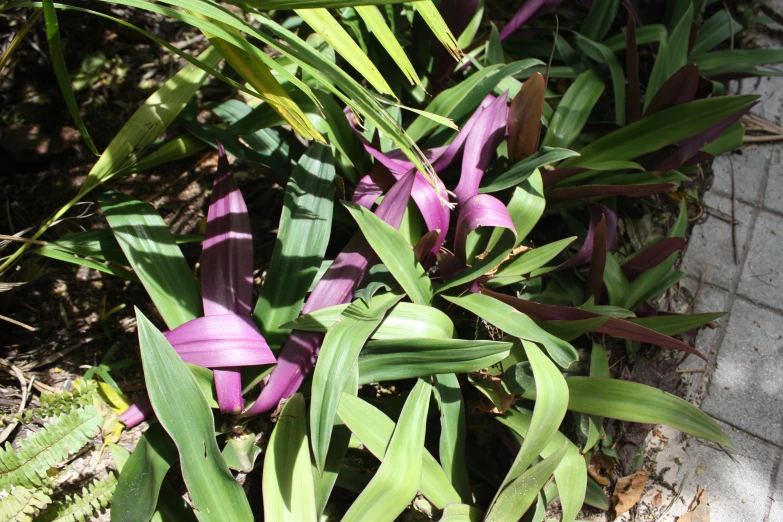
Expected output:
(445, 158)
(598, 213)
(679, 88)
(524, 118)
(613, 325)
(137, 412)
(557, 175)
(337, 286)
(590, 191)
(525, 13)
(595, 275)
(372, 186)
(482, 210)
(672, 158)
(485, 136)
(227, 258)
(220, 341)
(651, 256)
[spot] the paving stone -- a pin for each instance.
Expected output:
(746, 386)
(737, 488)
(710, 242)
(770, 90)
(710, 299)
(750, 165)
(773, 197)
(776, 509)
(762, 275)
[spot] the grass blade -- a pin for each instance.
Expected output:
(377, 25)
(61, 71)
(323, 23)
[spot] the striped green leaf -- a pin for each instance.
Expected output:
(377, 25)
(574, 109)
(398, 479)
(188, 420)
(395, 252)
(287, 482)
(374, 429)
(302, 237)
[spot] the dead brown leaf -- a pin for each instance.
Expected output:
(657, 500)
(699, 510)
(600, 468)
(628, 491)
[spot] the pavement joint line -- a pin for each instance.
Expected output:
(737, 429)
(769, 308)
(773, 484)
(776, 213)
(706, 378)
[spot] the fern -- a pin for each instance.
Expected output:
(21, 503)
(55, 403)
(93, 498)
(47, 448)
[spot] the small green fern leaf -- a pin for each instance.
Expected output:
(79, 508)
(55, 403)
(20, 504)
(47, 448)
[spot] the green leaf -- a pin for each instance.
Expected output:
(599, 19)
(494, 53)
(155, 257)
(408, 358)
(398, 479)
(136, 496)
(452, 433)
(516, 324)
(518, 496)
(616, 283)
(404, 321)
(663, 128)
(287, 481)
(525, 168)
(570, 475)
(377, 25)
(672, 55)
(602, 54)
(322, 22)
(303, 234)
(337, 357)
(533, 259)
(574, 109)
(149, 121)
(184, 413)
(395, 252)
(461, 513)
(634, 402)
(645, 34)
(498, 252)
(527, 205)
(735, 60)
(676, 324)
(375, 429)
(241, 452)
(549, 411)
(438, 26)
(61, 71)
(460, 100)
(719, 28)
(55, 253)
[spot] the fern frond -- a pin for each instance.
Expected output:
(47, 448)
(20, 504)
(93, 499)
(55, 403)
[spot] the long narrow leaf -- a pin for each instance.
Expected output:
(188, 420)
